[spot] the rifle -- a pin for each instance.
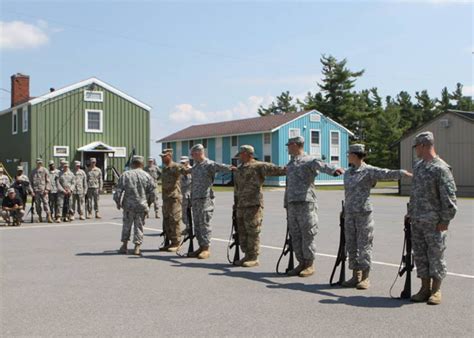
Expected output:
(32, 209)
(166, 241)
(341, 253)
(287, 250)
(190, 236)
(234, 241)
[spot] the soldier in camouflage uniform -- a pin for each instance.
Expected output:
(358, 221)
(171, 193)
(432, 207)
(4, 185)
(79, 193)
(186, 181)
(300, 203)
(11, 208)
(202, 197)
(248, 201)
(134, 191)
(95, 184)
(41, 186)
(154, 171)
(53, 193)
(66, 186)
(22, 185)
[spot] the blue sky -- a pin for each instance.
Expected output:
(196, 62)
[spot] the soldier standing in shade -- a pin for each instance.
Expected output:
(95, 184)
(300, 203)
(186, 181)
(248, 196)
(432, 207)
(79, 193)
(202, 195)
(66, 186)
(53, 193)
(171, 193)
(41, 185)
(154, 171)
(22, 185)
(4, 185)
(135, 189)
(358, 221)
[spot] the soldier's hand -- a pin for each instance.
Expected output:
(33, 194)
(441, 227)
(408, 174)
(339, 172)
(233, 168)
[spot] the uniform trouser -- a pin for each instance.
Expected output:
(78, 201)
(93, 198)
(136, 219)
(359, 233)
(185, 205)
(203, 209)
(249, 225)
(41, 198)
(303, 226)
(428, 249)
(172, 219)
(16, 215)
(53, 204)
(62, 201)
(156, 202)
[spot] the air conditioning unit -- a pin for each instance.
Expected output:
(444, 123)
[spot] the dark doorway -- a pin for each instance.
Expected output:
(99, 156)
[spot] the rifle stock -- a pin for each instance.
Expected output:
(341, 252)
(287, 250)
(407, 260)
(235, 241)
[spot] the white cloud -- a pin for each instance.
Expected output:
(22, 35)
(468, 90)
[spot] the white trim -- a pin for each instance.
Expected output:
(311, 142)
(338, 154)
(218, 149)
(120, 152)
(55, 153)
(15, 119)
(24, 118)
(8, 110)
(86, 119)
(91, 147)
(101, 99)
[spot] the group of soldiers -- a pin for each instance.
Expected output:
(432, 206)
(60, 193)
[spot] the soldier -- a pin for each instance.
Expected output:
(95, 184)
(12, 208)
(154, 172)
(186, 181)
(248, 199)
(4, 184)
(53, 193)
(79, 193)
(62, 160)
(300, 203)
(359, 224)
(171, 193)
(135, 189)
(202, 196)
(66, 186)
(39, 178)
(22, 185)
(432, 206)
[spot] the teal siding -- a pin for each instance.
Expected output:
(185, 148)
(255, 140)
(226, 157)
(211, 148)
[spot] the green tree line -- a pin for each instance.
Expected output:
(376, 121)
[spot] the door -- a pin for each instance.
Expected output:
(99, 156)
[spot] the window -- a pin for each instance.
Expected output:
(335, 150)
(24, 115)
(315, 143)
(204, 143)
(267, 138)
(191, 144)
(334, 138)
(168, 145)
(315, 139)
(119, 152)
(294, 132)
(234, 141)
(61, 151)
(94, 121)
(93, 96)
(267, 158)
(315, 118)
(334, 159)
(14, 122)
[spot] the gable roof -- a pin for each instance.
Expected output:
(466, 114)
(254, 125)
(77, 85)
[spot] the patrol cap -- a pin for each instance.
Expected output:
(197, 147)
(165, 152)
(62, 160)
(297, 140)
(357, 148)
(184, 159)
(76, 163)
(19, 168)
(39, 160)
(51, 162)
(425, 137)
(150, 159)
(246, 148)
(137, 159)
(65, 164)
(10, 190)
(93, 160)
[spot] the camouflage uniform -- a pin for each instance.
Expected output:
(186, 181)
(432, 202)
(22, 186)
(137, 189)
(202, 197)
(155, 172)
(4, 185)
(53, 193)
(79, 193)
(248, 197)
(358, 223)
(300, 202)
(39, 178)
(66, 183)
(95, 184)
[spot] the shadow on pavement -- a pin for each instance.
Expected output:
(103, 253)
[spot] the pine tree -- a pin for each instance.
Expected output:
(284, 104)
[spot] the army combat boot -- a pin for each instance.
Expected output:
(251, 262)
(241, 261)
(157, 214)
(50, 220)
(205, 253)
(137, 251)
(81, 217)
(123, 248)
(58, 219)
(97, 215)
(296, 271)
(308, 269)
(195, 253)
(40, 218)
(364, 281)
(89, 214)
(435, 298)
(425, 292)
(356, 278)
(173, 247)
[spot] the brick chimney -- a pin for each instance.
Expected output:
(20, 88)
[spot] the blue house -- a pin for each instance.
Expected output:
(324, 138)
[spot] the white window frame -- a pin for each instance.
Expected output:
(293, 129)
(331, 153)
(86, 119)
(269, 135)
(95, 92)
(122, 150)
(56, 154)
(311, 142)
(14, 119)
(314, 117)
(24, 119)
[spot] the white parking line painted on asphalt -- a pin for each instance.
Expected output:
(57, 225)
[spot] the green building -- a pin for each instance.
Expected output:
(86, 119)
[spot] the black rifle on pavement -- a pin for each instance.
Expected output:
(190, 235)
(234, 241)
(287, 250)
(341, 252)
